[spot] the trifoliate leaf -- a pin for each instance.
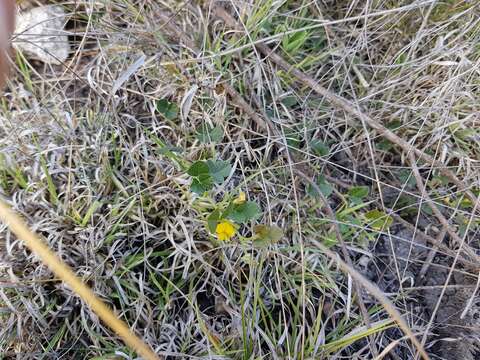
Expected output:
(266, 235)
(406, 177)
(198, 168)
(426, 208)
(323, 185)
(289, 101)
(245, 212)
(167, 109)
(206, 134)
(319, 148)
(201, 184)
(393, 125)
(218, 170)
(205, 173)
(357, 193)
(378, 220)
(212, 221)
(384, 145)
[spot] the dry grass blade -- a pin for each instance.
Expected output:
(359, 279)
(65, 273)
(451, 232)
(339, 236)
(472, 264)
(346, 105)
(441, 218)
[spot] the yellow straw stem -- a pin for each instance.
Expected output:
(65, 273)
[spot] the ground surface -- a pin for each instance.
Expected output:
(128, 156)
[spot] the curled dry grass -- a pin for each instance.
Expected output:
(88, 168)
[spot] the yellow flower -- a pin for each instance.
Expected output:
(225, 230)
(240, 199)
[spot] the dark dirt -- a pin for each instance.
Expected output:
(457, 336)
(454, 331)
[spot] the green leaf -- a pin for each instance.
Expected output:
(266, 235)
(393, 125)
(348, 224)
(289, 101)
(319, 148)
(465, 202)
(324, 186)
(212, 221)
(228, 210)
(205, 173)
(206, 134)
(198, 168)
(384, 145)
(427, 209)
(406, 205)
(167, 109)
(357, 193)
(201, 184)
(218, 170)
(244, 212)
(378, 220)
(445, 181)
(406, 177)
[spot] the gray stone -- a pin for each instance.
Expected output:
(40, 34)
